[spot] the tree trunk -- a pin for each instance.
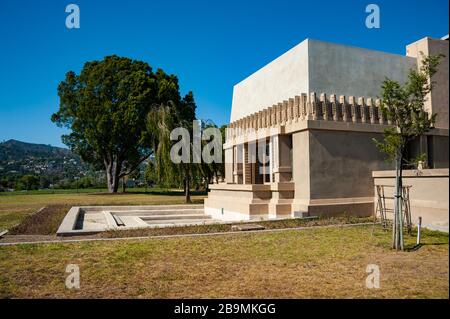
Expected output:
(124, 185)
(397, 231)
(112, 177)
(187, 191)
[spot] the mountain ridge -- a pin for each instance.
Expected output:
(12, 148)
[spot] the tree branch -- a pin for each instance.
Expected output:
(133, 168)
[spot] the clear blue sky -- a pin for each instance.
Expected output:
(210, 45)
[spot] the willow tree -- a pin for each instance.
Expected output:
(105, 108)
(211, 170)
(403, 107)
(162, 121)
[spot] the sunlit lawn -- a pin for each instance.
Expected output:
(321, 263)
(14, 207)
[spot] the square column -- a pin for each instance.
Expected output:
(281, 166)
(229, 164)
(250, 163)
(238, 160)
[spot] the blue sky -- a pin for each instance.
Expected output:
(210, 45)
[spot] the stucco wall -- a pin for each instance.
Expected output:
(317, 66)
(332, 171)
(300, 164)
(438, 102)
(346, 70)
(281, 79)
(341, 163)
(429, 195)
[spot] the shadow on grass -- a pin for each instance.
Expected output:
(417, 247)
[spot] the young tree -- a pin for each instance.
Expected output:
(403, 106)
(106, 108)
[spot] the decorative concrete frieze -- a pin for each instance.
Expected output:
(306, 107)
(314, 107)
(284, 108)
(265, 119)
(364, 110)
(335, 108)
(354, 109)
(290, 110)
(273, 116)
(373, 111)
(346, 115)
(306, 111)
(327, 111)
(278, 110)
(381, 116)
(296, 109)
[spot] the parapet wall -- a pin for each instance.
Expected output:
(318, 66)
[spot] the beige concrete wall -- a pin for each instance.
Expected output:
(347, 70)
(238, 202)
(333, 171)
(300, 170)
(318, 66)
(438, 101)
(284, 77)
(228, 165)
(341, 163)
(429, 194)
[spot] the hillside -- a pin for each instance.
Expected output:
(18, 158)
(16, 150)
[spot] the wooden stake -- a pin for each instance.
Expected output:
(419, 226)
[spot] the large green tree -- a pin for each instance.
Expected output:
(106, 107)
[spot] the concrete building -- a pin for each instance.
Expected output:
(314, 112)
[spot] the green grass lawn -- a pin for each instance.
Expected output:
(319, 263)
(17, 213)
(15, 206)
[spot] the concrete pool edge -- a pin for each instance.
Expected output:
(68, 226)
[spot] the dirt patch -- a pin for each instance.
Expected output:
(44, 222)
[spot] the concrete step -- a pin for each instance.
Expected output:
(171, 207)
(178, 221)
(173, 217)
(159, 212)
(181, 223)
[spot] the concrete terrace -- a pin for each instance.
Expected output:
(84, 220)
